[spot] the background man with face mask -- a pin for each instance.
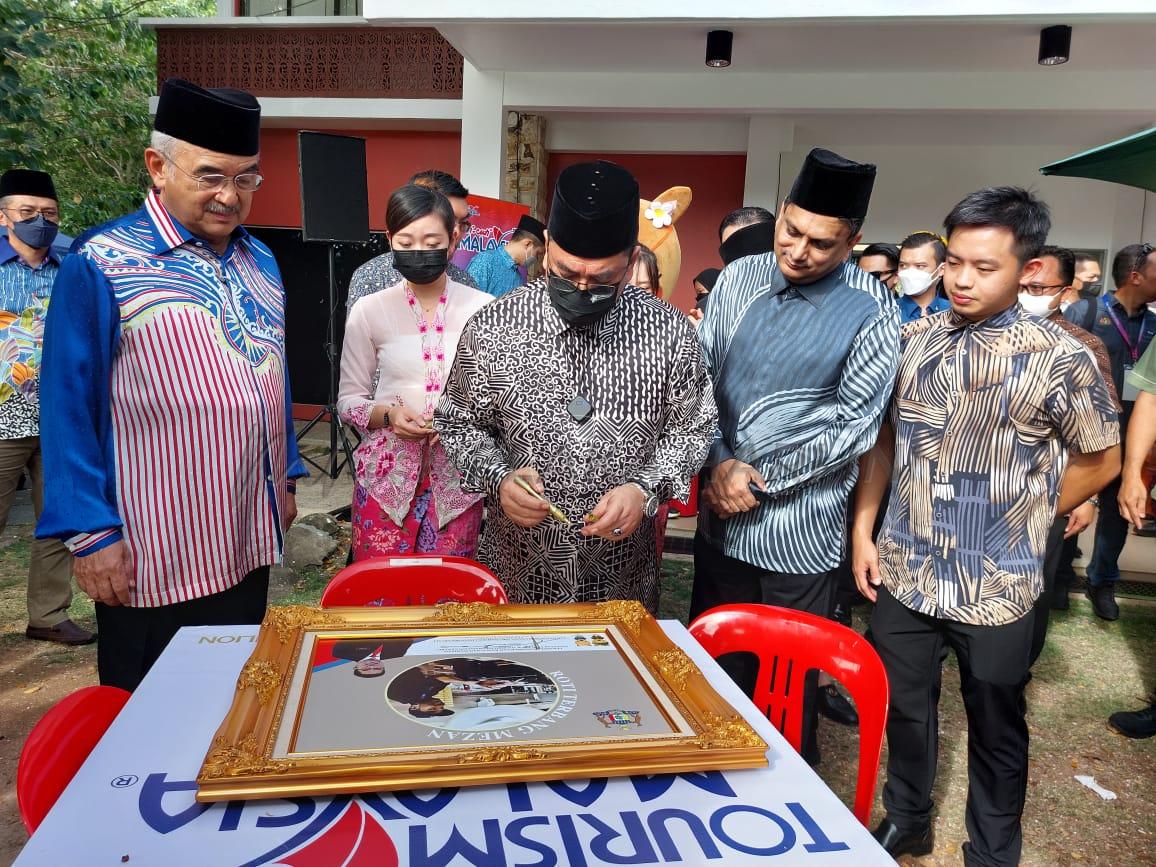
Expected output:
(1087, 283)
(588, 390)
(28, 267)
(802, 347)
(497, 271)
(920, 266)
(169, 456)
(1041, 296)
(1123, 321)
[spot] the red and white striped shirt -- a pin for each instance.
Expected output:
(169, 423)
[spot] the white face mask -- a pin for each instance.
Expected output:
(1037, 305)
(912, 281)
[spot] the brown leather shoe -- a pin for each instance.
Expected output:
(64, 632)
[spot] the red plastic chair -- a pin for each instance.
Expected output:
(58, 745)
(690, 508)
(421, 579)
(790, 643)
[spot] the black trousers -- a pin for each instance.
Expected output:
(993, 671)
(722, 580)
(1053, 555)
(132, 639)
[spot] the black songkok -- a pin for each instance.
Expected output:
(595, 210)
(219, 119)
(707, 278)
(533, 227)
(27, 182)
(833, 186)
(748, 241)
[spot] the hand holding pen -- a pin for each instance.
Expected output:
(523, 499)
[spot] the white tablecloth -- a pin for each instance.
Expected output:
(133, 800)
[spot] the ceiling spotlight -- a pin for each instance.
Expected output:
(1055, 45)
(718, 48)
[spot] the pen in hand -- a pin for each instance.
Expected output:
(555, 513)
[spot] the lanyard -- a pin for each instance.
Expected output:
(1133, 349)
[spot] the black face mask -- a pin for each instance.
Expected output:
(421, 266)
(748, 241)
(1090, 290)
(577, 307)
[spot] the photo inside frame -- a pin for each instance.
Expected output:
(376, 691)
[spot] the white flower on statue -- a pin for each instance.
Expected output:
(660, 214)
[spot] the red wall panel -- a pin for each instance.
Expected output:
(716, 180)
(391, 157)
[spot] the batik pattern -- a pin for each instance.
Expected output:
(984, 417)
(517, 370)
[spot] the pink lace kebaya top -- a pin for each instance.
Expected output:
(388, 338)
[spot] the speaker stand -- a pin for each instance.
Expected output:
(338, 432)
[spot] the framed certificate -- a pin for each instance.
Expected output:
(364, 699)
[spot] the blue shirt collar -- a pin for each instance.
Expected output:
(909, 309)
(168, 233)
(8, 252)
(816, 293)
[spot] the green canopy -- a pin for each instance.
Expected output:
(1130, 161)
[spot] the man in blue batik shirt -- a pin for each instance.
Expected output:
(500, 269)
(29, 262)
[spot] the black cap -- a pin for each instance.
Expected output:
(595, 210)
(833, 186)
(748, 241)
(219, 119)
(27, 182)
(707, 278)
(533, 227)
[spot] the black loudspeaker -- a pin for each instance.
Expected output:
(334, 187)
(334, 210)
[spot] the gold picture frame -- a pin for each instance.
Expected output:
(463, 694)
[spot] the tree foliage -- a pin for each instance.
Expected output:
(75, 79)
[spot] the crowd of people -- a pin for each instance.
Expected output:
(927, 425)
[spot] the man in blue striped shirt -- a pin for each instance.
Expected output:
(802, 347)
(29, 261)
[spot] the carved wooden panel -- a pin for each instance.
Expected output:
(396, 63)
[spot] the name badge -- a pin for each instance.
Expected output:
(1131, 393)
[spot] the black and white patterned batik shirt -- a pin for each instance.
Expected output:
(506, 405)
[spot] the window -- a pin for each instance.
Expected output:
(279, 8)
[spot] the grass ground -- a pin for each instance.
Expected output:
(1088, 670)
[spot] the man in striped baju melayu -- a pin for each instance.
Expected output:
(802, 347)
(166, 425)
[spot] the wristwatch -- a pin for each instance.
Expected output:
(650, 501)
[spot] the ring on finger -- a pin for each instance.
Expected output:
(617, 531)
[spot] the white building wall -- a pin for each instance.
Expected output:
(926, 164)
(917, 186)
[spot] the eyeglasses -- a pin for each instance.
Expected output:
(27, 212)
(882, 276)
(1041, 288)
(595, 291)
(246, 182)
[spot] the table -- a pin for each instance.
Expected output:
(133, 800)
